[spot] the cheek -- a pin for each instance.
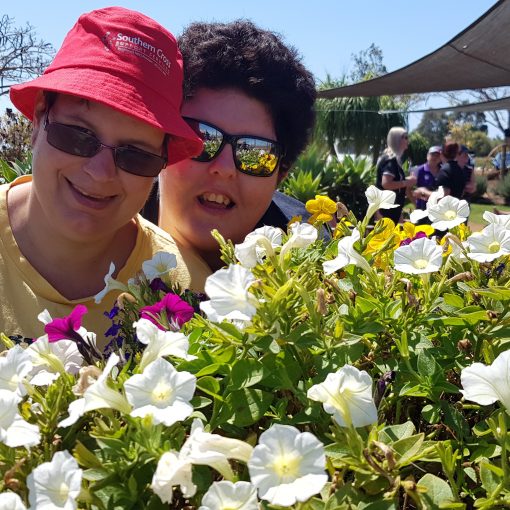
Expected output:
(136, 188)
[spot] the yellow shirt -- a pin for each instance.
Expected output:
(25, 293)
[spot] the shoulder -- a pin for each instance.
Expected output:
(154, 234)
(281, 210)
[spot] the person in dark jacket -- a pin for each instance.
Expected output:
(391, 176)
(250, 99)
(451, 176)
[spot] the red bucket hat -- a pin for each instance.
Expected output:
(124, 60)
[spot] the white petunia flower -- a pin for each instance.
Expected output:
(302, 235)
(14, 369)
(160, 264)
(175, 468)
(257, 245)
(14, 430)
(421, 256)
(55, 484)
(433, 199)
(214, 450)
(97, 396)
(172, 471)
(347, 395)
(229, 296)
(287, 466)
(497, 219)
(11, 501)
(379, 199)
(160, 343)
(347, 255)
(45, 317)
(448, 213)
(489, 244)
(162, 392)
(486, 384)
(50, 359)
(110, 284)
(226, 495)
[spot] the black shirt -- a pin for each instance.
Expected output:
(453, 177)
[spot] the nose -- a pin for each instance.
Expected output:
(101, 167)
(223, 164)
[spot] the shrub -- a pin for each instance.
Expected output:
(503, 188)
(480, 189)
(15, 136)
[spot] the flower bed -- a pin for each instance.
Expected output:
(366, 372)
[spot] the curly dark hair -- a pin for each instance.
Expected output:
(242, 56)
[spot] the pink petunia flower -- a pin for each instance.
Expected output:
(177, 311)
(66, 328)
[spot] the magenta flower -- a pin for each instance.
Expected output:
(177, 311)
(66, 328)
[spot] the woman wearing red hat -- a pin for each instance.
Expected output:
(251, 100)
(106, 121)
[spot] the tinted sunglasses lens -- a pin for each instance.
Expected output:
(139, 162)
(71, 140)
(255, 156)
(211, 137)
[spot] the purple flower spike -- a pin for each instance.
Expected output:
(65, 328)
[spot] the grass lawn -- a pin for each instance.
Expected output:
(476, 222)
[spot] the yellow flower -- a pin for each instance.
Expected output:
(376, 241)
(294, 219)
(409, 231)
(322, 209)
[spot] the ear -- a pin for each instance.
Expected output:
(39, 111)
(281, 176)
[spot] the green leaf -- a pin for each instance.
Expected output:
(246, 373)
(431, 413)
(393, 433)
(490, 475)
(438, 491)
(247, 406)
(427, 365)
(453, 300)
(209, 385)
(85, 457)
(407, 448)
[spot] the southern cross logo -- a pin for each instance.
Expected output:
(135, 45)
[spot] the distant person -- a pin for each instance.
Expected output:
(464, 160)
(391, 176)
(106, 121)
(426, 177)
(502, 151)
(451, 176)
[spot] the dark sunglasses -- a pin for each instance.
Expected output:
(79, 141)
(253, 155)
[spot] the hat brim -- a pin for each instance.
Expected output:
(139, 101)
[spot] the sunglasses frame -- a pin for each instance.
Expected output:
(227, 138)
(116, 150)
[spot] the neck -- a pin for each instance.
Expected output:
(212, 259)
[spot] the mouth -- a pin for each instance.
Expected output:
(216, 201)
(88, 198)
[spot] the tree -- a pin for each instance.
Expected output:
(22, 55)
(368, 64)
(434, 126)
(499, 119)
(15, 136)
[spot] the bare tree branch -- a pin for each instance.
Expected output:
(22, 55)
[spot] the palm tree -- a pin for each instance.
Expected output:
(354, 124)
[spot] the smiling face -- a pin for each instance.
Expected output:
(88, 199)
(197, 197)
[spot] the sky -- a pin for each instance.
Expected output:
(325, 32)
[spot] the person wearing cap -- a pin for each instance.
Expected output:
(426, 177)
(252, 102)
(106, 121)
(451, 176)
